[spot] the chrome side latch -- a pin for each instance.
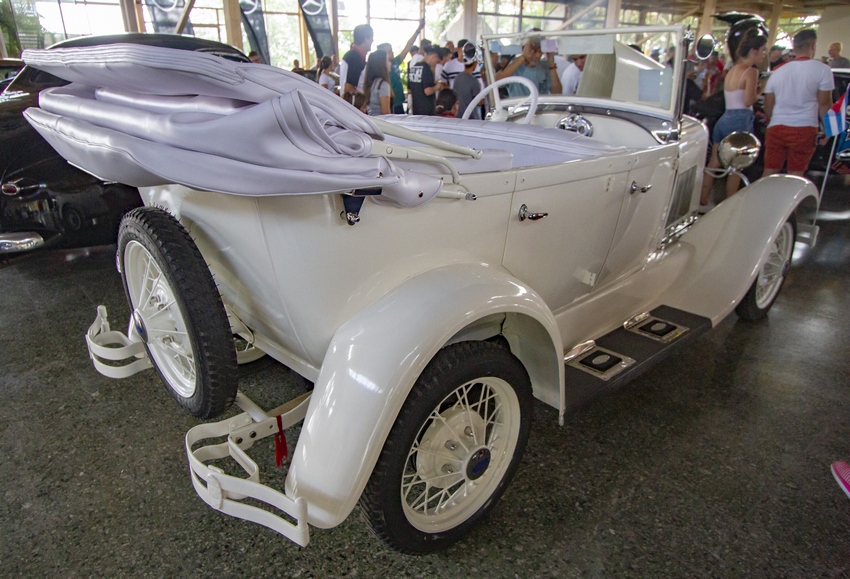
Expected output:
(639, 189)
(525, 214)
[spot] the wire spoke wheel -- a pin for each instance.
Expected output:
(773, 273)
(453, 449)
(177, 311)
(460, 454)
(765, 289)
(155, 311)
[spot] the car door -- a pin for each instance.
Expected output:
(645, 201)
(561, 254)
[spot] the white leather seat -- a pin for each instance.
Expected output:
(527, 145)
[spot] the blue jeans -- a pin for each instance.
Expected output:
(731, 121)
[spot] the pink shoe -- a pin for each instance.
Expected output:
(841, 472)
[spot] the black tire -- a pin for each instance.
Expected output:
(190, 344)
(73, 218)
(473, 367)
(768, 283)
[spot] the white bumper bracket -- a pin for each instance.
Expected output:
(106, 345)
(224, 492)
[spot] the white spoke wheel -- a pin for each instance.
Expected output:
(177, 311)
(771, 276)
(453, 449)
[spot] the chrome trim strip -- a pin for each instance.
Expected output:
(635, 320)
(578, 350)
(19, 241)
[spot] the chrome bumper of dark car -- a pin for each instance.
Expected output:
(19, 241)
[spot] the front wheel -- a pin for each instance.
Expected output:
(177, 311)
(453, 450)
(771, 276)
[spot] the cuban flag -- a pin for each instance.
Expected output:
(835, 119)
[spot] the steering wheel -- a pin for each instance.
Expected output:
(532, 108)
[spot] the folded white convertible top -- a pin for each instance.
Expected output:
(145, 115)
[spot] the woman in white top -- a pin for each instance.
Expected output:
(325, 78)
(741, 90)
(377, 84)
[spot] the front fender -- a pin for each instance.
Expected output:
(371, 365)
(729, 245)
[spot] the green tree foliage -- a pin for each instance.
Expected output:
(7, 25)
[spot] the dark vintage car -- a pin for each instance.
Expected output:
(45, 201)
(9, 67)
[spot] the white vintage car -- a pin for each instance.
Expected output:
(431, 276)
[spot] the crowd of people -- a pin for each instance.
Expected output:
(445, 81)
(796, 95)
(440, 80)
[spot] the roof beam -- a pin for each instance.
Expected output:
(184, 17)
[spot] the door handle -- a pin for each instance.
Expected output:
(638, 189)
(525, 214)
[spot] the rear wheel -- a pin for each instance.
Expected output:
(453, 450)
(771, 276)
(177, 311)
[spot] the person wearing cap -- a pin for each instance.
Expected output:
(530, 65)
(466, 86)
(776, 56)
(797, 96)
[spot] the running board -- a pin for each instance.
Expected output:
(626, 353)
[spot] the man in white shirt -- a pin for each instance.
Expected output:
(572, 76)
(797, 96)
(420, 54)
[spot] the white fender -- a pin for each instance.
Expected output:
(730, 245)
(371, 365)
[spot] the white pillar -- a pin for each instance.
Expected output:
(470, 20)
(612, 15)
(773, 25)
(233, 23)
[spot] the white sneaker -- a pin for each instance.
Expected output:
(703, 209)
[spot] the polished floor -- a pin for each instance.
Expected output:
(715, 464)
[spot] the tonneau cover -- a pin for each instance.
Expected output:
(146, 115)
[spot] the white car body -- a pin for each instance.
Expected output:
(361, 310)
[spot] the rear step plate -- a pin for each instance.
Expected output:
(601, 363)
(663, 331)
(630, 353)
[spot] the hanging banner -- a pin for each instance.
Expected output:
(254, 24)
(319, 26)
(165, 14)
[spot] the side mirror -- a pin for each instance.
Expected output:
(739, 150)
(705, 46)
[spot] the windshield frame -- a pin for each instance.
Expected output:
(673, 113)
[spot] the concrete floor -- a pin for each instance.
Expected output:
(715, 464)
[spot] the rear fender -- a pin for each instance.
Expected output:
(730, 244)
(375, 358)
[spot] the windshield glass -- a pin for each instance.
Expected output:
(640, 66)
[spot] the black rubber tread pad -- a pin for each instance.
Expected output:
(582, 388)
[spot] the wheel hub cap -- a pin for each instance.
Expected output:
(477, 463)
(452, 452)
(139, 326)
